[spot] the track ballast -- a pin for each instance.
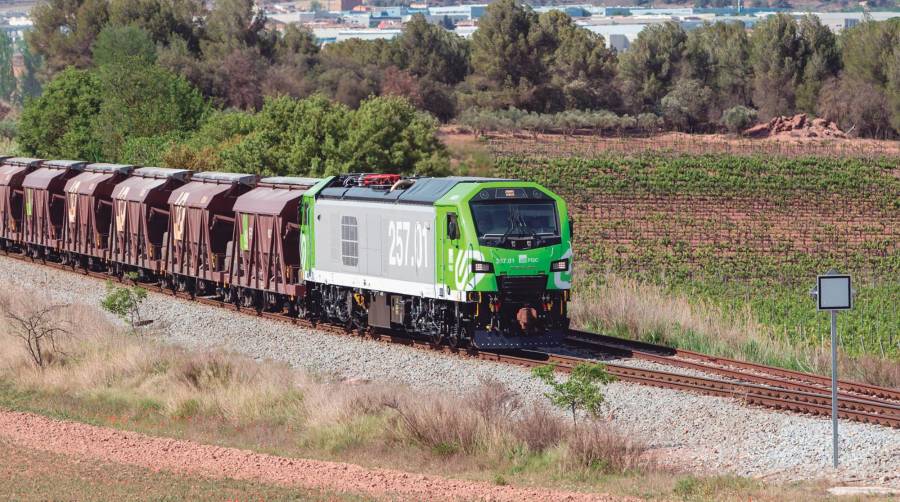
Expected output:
(750, 383)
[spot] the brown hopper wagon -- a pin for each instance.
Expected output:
(12, 173)
(89, 213)
(265, 268)
(141, 218)
(201, 225)
(45, 202)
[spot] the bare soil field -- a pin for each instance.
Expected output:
(29, 433)
(587, 145)
(28, 474)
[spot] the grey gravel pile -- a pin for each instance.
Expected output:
(699, 433)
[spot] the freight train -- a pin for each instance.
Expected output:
(475, 262)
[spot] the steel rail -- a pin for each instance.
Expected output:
(872, 412)
(724, 366)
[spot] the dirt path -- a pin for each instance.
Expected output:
(131, 448)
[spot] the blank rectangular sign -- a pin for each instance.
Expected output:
(834, 292)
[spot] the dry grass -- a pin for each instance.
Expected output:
(648, 312)
(493, 419)
(604, 449)
(103, 363)
(100, 364)
(645, 310)
(540, 429)
(107, 376)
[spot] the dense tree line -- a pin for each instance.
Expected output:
(143, 82)
(713, 77)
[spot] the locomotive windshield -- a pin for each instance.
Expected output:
(516, 224)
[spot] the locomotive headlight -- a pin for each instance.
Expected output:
(559, 266)
(482, 267)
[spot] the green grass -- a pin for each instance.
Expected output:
(872, 327)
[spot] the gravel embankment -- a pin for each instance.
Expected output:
(700, 433)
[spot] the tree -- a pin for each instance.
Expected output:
(821, 62)
(7, 78)
(292, 137)
(858, 106)
(59, 124)
(867, 48)
(428, 51)
(580, 67)
(716, 55)
(649, 67)
(143, 101)
(64, 31)
(38, 328)
(870, 56)
(387, 134)
(297, 46)
(893, 87)
(237, 78)
(235, 25)
(581, 391)
(123, 46)
(165, 21)
(502, 49)
(379, 52)
(29, 85)
(125, 303)
(777, 55)
(687, 105)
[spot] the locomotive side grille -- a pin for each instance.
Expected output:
(522, 287)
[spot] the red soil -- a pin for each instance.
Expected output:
(185, 457)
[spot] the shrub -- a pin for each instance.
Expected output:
(439, 423)
(149, 150)
(581, 391)
(494, 402)
(599, 447)
(686, 105)
(738, 118)
(39, 328)
(124, 302)
(540, 429)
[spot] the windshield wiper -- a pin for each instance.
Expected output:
(514, 223)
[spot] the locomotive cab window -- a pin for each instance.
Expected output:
(452, 226)
(516, 224)
(349, 241)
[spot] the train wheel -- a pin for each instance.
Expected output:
(436, 337)
(455, 339)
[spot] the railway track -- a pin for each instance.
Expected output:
(750, 383)
(730, 368)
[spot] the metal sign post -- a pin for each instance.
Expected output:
(833, 293)
(834, 389)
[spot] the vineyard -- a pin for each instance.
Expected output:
(741, 230)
